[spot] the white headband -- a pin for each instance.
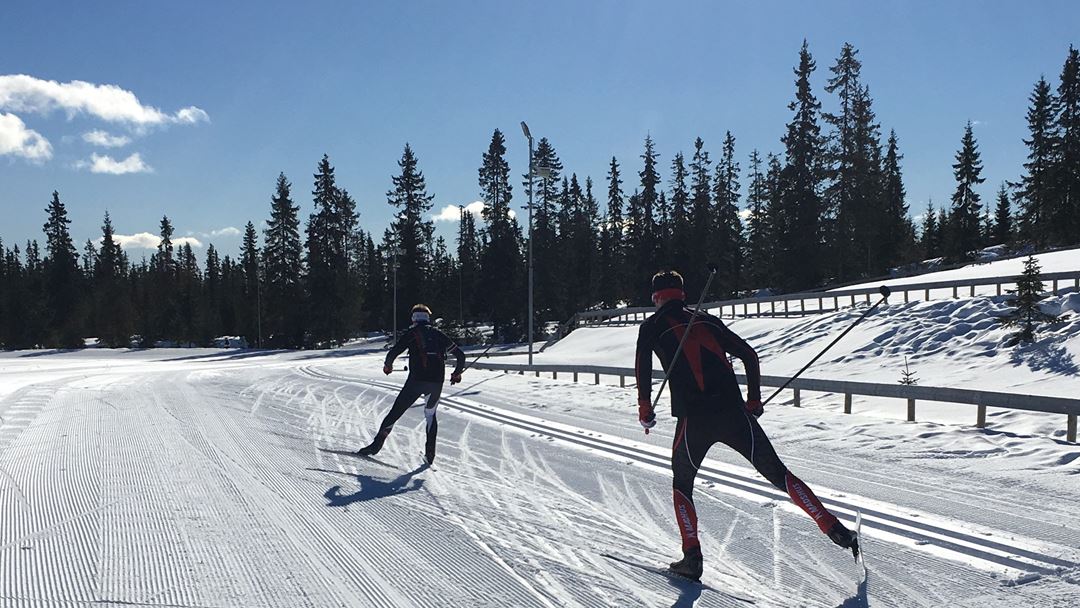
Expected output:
(419, 316)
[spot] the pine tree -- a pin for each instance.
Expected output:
(776, 221)
(641, 236)
(61, 278)
(112, 298)
(964, 233)
(501, 263)
(1064, 213)
(334, 296)
(800, 260)
(282, 255)
(212, 297)
(1026, 313)
(1036, 186)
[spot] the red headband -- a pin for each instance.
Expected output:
(671, 293)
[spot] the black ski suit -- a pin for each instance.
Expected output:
(708, 403)
(427, 348)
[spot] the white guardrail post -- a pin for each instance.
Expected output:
(981, 399)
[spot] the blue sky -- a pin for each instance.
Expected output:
(231, 93)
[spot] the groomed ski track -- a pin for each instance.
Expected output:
(200, 482)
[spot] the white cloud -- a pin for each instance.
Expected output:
(105, 140)
(145, 240)
(227, 231)
(451, 213)
(103, 163)
(23, 93)
(17, 140)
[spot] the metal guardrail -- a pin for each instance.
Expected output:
(768, 305)
(982, 399)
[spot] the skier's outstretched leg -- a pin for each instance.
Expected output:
(432, 422)
(405, 398)
(754, 445)
(689, 448)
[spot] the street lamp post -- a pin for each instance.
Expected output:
(461, 273)
(395, 309)
(525, 130)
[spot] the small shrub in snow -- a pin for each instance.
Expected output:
(908, 377)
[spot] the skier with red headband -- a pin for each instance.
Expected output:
(708, 404)
(428, 348)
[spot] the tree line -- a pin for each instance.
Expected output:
(829, 208)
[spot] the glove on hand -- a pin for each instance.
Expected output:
(646, 415)
(455, 378)
(755, 408)
(386, 369)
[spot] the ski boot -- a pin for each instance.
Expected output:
(845, 538)
(690, 566)
(370, 449)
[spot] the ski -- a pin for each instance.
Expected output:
(665, 572)
(862, 547)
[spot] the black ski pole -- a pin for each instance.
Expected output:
(708, 282)
(478, 357)
(885, 292)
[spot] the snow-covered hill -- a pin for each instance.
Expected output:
(1056, 261)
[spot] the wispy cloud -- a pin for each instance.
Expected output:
(146, 240)
(105, 139)
(103, 163)
(23, 93)
(18, 140)
(227, 231)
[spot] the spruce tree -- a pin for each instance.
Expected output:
(758, 240)
(332, 292)
(679, 237)
(1064, 214)
(704, 221)
(112, 299)
(548, 290)
(729, 244)
(613, 254)
(1026, 313)
(897, 242)
(1003, 224)
(800, 260)
(249, 258)
(502, 290)
(931, 233)
(1037, 185)
(413, 233)
(61, 278)
(282, 254)
(964, 232)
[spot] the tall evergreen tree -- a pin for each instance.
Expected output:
(501, 261)
(801, 237)
(758, 239)
(1064, 215)
(333, 297)
(283, 293)
(612, 282)
(679, 237)
(704, 220)
(112, 298)
(1003, 223)
(897, 235)
(931, 233)
(729, 230)
(547, 196)
(964, 233)
(413, 233)
(644, 245)
(62, 278)
(1037, 184)
(249, 258)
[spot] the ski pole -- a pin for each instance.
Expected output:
(708, 282)
(885, 292)
(478, 357)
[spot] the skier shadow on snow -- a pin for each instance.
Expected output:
(373, 488)
(689, 593)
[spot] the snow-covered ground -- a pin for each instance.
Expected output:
(198, 478)
(1056, 261)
